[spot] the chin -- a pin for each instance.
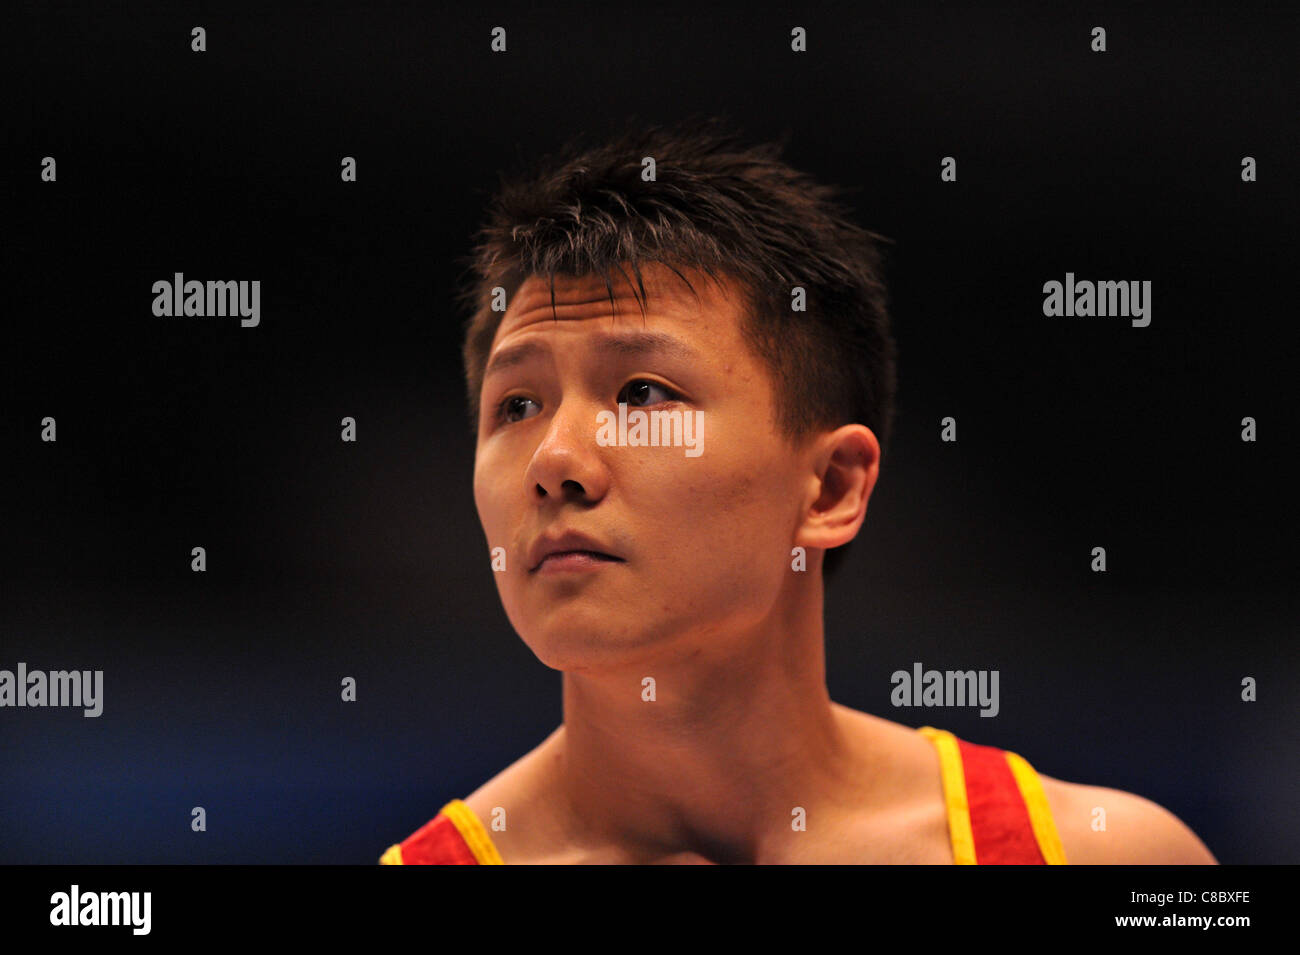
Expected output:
(553, 619)
(576, 648)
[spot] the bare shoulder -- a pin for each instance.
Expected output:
(1100, 826)
(515, 811)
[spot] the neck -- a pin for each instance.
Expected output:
(740, 732)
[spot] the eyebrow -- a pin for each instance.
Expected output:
(635, 345)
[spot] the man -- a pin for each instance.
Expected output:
(680, 593)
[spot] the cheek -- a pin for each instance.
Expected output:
(730, 499)
(747, 476)
(480, 492)
(488, 498)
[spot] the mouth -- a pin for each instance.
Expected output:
(574, 560)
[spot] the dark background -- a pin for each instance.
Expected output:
(328, 559)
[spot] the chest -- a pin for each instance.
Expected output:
(913, 836)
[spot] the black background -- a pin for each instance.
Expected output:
(328, 559)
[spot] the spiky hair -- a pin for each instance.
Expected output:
(718, 206)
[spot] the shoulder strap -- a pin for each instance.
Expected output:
(997, 811)
(453, 837)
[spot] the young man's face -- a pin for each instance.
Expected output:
(703, 541)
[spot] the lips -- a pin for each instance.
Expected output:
(569, 542)
(570, 560)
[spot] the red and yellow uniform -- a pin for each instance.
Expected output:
(997, 815)
(997, 811)
(453, 837)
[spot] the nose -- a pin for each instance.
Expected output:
(567, 466)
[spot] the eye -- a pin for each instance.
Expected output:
(641, 391)
(509, 406)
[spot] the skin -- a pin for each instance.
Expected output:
(741, 730)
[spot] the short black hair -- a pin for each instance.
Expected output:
(719, 206)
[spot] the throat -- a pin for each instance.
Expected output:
(682, 858)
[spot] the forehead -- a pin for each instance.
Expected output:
(582, 306)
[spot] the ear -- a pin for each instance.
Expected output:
(845, 465)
